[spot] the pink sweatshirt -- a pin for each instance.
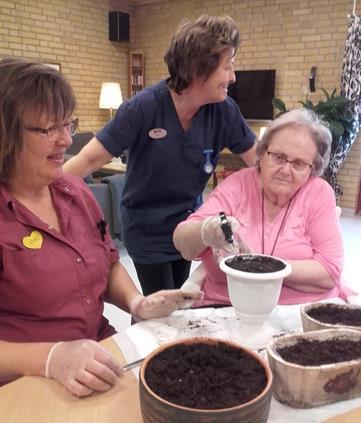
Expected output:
(311, 231)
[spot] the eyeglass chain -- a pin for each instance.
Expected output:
(281, 226)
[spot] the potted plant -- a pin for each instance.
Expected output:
(202, 380)
(334, 111)
(248, 275)
(315, 368)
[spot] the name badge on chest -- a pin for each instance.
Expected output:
(157, 133)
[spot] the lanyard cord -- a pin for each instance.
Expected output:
(281, 227)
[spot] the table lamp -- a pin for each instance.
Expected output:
(262, 130)
(110, 96)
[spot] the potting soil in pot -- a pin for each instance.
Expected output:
(255, 264)
(206, 376)
(315, 353)
(336, 314)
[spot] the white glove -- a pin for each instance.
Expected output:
(213, 236)
(82, 367)
(242, 246)
(162, 303)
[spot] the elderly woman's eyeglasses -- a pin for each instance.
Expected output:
(55, 131)
(281, 159)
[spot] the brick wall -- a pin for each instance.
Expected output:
(74, 34)
(290, 36)
(282, 34)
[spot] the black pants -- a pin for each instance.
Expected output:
(157, 276)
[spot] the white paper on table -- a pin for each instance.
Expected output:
(210, 322)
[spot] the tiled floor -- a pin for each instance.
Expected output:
(351, 230)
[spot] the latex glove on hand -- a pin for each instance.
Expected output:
(213, 236)
(162, 303)
(242, 246)
(82, 367)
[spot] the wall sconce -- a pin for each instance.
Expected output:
(312, 79)
(110, 96)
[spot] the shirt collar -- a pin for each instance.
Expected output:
(60, 185)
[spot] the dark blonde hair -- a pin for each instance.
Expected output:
(196, 47)
(301, 118)
(24, 85)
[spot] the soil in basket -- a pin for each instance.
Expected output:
(315, 353)
(206, 376)
(255, 264)
(335, 314)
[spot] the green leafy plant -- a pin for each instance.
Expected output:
(336, 112)
(331, 110)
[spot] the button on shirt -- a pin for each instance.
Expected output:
(52, 284)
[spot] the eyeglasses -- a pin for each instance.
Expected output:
(55, 131)
(281, 159)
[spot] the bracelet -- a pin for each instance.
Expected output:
(47, 364)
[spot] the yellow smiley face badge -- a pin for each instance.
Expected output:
(34, 241)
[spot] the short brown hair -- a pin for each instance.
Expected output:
(196, 47)
(26, 84)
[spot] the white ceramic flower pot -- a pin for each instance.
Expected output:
(253, 297)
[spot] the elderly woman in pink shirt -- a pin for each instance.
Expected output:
(281, 207)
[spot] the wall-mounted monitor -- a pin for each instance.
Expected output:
(254, 91)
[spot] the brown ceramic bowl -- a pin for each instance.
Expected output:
(156, 409)
(309, 323)
(311, 386)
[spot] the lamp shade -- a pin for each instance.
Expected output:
(110, 96)
(262, 130)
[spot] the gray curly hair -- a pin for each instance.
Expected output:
(317, 128)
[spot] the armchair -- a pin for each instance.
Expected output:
(108, 193)
(79, 140)
(107, 190)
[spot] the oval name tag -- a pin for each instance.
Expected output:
(157, 133)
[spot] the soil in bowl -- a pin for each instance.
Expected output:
(315, 353)
(203, 376)
(336, 314)
(255, 264)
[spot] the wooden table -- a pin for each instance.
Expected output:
(353, 416)
(114, 167)
(227, 164)
(40, 400)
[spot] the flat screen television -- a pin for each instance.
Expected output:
(254, 91)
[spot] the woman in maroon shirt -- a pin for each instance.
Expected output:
(58, 263)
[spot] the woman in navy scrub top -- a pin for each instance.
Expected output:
(174, 132)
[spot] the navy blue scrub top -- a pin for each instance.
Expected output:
(165, 177)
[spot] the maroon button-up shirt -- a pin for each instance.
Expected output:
(52, 285)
